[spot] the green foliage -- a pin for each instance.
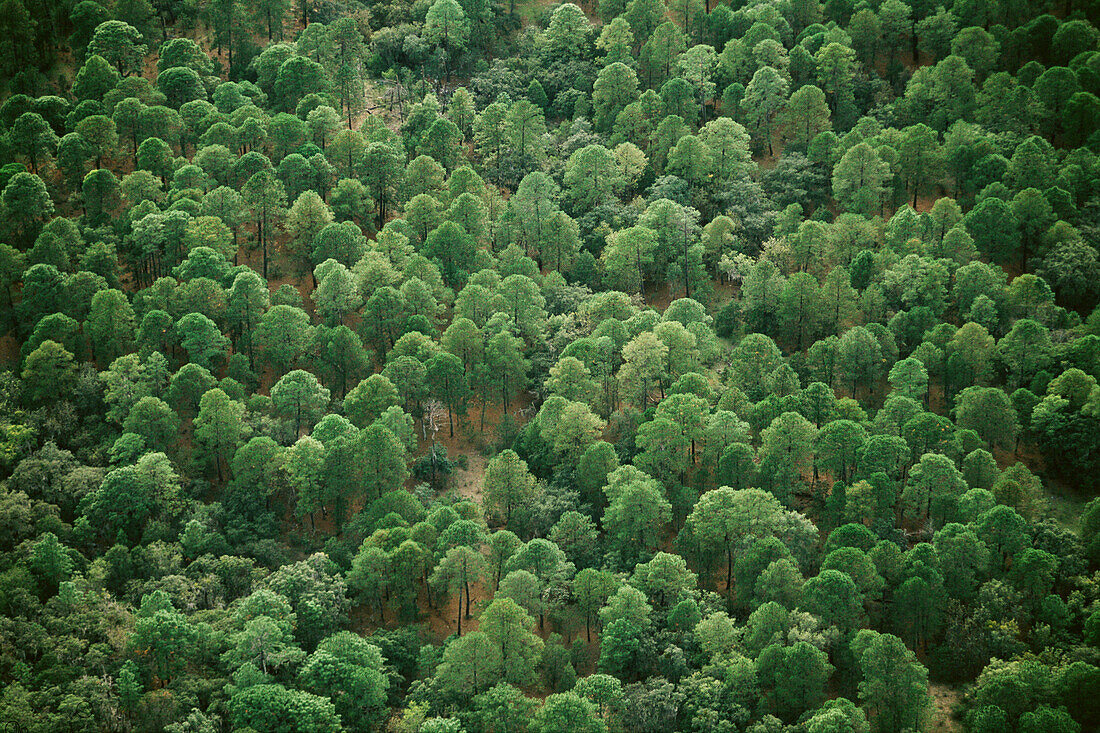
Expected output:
(250, 284)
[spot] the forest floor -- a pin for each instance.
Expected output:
(1066, 503)
(9, 351)
(472, 442)
(944, 701)
(530, 11)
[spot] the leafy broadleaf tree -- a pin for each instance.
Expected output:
(459, 568)
(219, 428)
(299, 396)
(264, 195)
(508, 485)
(447, 26)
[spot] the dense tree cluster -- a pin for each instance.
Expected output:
(456, 366)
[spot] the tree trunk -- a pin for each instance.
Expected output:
(729, 577)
